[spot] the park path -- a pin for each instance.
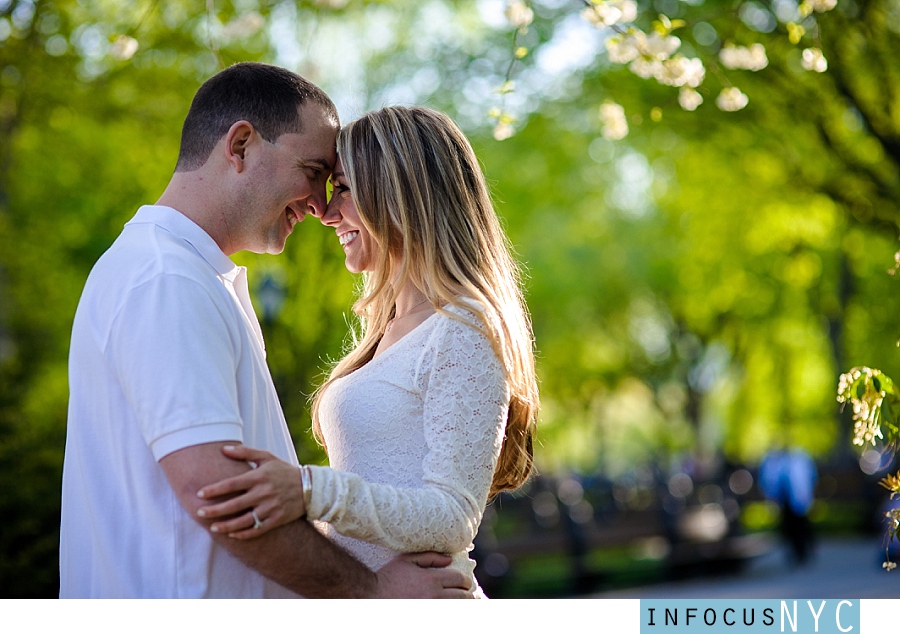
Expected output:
(841, 569)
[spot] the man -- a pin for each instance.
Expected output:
(788, 476)
(167, 365)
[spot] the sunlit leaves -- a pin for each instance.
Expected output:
(795, 32)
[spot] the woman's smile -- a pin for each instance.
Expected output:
(347, 238)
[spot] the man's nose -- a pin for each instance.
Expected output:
(317, 204)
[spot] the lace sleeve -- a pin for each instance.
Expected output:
(465, 400)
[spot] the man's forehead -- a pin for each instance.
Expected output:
(315, 145)
(316, 117)
(314, 114)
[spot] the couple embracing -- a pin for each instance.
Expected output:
(180, 477)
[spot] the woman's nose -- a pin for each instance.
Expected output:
(332, 215)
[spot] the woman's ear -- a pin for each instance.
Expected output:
(237, 139)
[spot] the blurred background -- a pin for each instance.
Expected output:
(698, 279)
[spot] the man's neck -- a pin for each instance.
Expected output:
(194, 195)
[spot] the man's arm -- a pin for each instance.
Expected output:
(296, 555)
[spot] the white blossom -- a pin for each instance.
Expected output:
(645, 52)
(608, 12)
(612, 116)
(865, 426)
(519, 14)
(896, 267)
(628, 8)
(645, 68)
(503, 131)
(866, 408)
(657, 46)
(814, 60)
(652, 50)
(681, 71)
(603, 14)
(744, 58)
(820, 6)
(846, 380)
(123, 48)
(622, 48)
(689, 99)
(731, 99)
(244, 26)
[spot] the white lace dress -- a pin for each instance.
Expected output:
(413, 439)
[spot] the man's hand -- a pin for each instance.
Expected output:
(421, 576)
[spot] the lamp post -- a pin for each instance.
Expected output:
(271, 293)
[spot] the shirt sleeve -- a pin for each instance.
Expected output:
(173, 349)
(465, 403)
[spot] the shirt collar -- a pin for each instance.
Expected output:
(179, 225)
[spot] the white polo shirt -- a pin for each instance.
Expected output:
(166, 353)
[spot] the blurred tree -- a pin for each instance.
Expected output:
(675, 307)
(775, 202)
(818, 75)
(695, 284)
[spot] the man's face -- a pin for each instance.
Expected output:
(288, 181)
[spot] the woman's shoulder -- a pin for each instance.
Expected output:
(458, 323)
(464, 316)
(458, 339)
(471, 309)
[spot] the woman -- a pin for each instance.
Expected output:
(433, 409)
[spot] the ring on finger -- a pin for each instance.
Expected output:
(257, 523)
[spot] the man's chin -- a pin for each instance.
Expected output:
(277, 244)
(266, 249)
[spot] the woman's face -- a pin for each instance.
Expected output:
(359, 247)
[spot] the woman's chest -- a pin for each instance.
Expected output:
(373, 425)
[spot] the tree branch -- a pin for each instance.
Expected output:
(877, 123)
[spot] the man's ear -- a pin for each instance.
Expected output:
(237, 140)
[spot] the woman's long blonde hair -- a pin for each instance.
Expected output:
(421, 194)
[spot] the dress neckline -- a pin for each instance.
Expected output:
(401, 340)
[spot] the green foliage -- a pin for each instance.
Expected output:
(695, 287)
(751, 252)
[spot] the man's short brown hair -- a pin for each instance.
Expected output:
(269, 97)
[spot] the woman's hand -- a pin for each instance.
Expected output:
(271, 495)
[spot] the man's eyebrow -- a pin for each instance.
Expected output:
(318, 163)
